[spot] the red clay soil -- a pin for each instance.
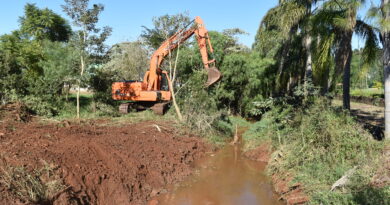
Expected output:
(261, 154)
(292, 194)
(126, 164)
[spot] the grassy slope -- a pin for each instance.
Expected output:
(318, 145)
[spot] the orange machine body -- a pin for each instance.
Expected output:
(150, 89)
(137, 91)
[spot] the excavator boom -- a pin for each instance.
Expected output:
(203, 40)
(149, 92)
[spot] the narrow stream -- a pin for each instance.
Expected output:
(223, 178)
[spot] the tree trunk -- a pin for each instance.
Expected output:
(79, 87)
(78, 100)
(346, 82)
(309, 69)
(177, 109)
(386, 66)
(308, 79)
(343, 63)
(178, 112)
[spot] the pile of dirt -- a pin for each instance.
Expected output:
(261, 154)
(101, 164)
(292, 194)
(15, 112)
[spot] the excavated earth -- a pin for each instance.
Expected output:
(100, 162)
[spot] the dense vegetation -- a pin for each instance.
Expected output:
(302, 54)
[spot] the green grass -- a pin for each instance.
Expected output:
(318, 145)
(239, 121)
(369, 92)
(88, 108)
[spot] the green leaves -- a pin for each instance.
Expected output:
(90, 38)
(129, 60)
(43, 24)
(164, 27)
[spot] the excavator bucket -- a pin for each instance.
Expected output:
(213, 75)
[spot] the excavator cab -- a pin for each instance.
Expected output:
(213, 75)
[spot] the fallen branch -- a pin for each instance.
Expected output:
(344, 179)
(157, 127)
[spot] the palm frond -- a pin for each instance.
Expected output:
(370, 34)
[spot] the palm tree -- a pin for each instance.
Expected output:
(382, 15)
(341, 19)
(385, 36)
(288, 18)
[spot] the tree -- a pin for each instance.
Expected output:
(286, 32)
(59, 67)
(164, 27)
(89, 39)
(44, 24)
(385, 36)
(382, 16)
(341, 18)
(129, 60)
(23, 51)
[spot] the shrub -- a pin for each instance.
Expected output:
(318, 145)
(40, 106)
(199, 107)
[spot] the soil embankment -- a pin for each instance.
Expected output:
(290, 193)
(101, 164)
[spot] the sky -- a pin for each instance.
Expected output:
(127, 17)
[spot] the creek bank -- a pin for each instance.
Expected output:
(100, 163)
(290, 193)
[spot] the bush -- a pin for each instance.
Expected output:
(199, 107)
(318, 145)
(41, 107)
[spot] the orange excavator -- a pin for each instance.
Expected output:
(154, 91)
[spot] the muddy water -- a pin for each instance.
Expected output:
(224, 178)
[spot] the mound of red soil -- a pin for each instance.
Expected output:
(15, 112)
(124, 164)
(261, 154)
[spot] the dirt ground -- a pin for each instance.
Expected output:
(370, 116)
(101, 164)
(366, 113)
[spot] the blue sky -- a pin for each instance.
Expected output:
(127, 17)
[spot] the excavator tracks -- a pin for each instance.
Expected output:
(124, 108)
(158, 108)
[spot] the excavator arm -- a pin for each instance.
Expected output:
(153, 76)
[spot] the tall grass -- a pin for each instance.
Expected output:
(39, 186)
(318, 145)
